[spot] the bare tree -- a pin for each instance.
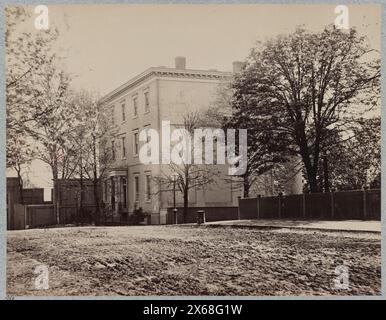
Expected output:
(22, 154)
(187, 176)
(28, 57)
(91, 139)
(53, 130)
(37, 93)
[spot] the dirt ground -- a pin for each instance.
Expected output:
(190, 260)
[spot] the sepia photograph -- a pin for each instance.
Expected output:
(192, 150)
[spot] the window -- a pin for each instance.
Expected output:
(135, 143)
(135, 106)
(203, 149)
(112, 115)
(147, 103)
(123, 147)
(112, 193)
(146, 128)
(124, 190)
(113, 150)
(148, 187)
(136, 188)
(215, 150)
(123, 112)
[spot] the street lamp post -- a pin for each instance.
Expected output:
(174, 191)
(174, 197)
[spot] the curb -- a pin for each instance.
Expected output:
(271, 227)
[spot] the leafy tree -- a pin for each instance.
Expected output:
(262, 157)
(355, 161)
(296, 88)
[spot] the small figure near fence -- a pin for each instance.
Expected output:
(200, 217)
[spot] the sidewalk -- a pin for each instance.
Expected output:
(347, 225)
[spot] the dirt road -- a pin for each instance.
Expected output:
(189, 260)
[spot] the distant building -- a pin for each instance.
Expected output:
(26, 208)
(15, 196)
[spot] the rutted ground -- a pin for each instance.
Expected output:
(190, 260)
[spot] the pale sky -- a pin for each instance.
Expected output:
(106, 45)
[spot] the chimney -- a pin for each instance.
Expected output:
(180, 62)
(238, 66)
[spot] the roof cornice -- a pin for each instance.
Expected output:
(165, 72)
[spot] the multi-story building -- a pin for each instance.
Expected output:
(158, 94)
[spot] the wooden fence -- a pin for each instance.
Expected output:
(39, 215)
(341, 205)
(42, 215)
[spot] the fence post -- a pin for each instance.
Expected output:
(175, 215)
(258, 206)
(332, 204)
(25, 216)
(238, 210)
(280, 202)
(304, 204)
(364, 202)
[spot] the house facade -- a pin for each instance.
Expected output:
(158, 94)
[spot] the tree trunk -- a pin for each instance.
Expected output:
(96, 201)
(311, 172)
(312, 181)
(246, 185)
(186, 194)
(186, 202)
(95, 182)
(55, 199)
(18, 171)
(325, 174)
(81, 192)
